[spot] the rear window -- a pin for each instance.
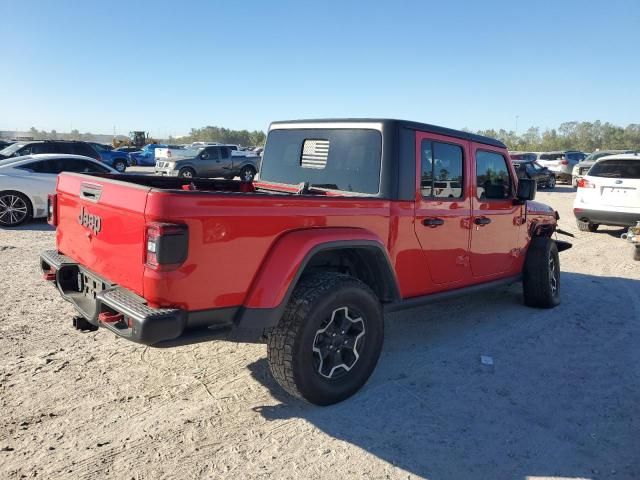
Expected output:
(616, 169)
(337, 159)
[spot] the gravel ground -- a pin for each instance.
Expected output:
(560, 400)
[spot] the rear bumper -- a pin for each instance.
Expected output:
(128, 315)
(603, 217)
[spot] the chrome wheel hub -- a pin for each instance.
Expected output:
(13, 209)
(338, 343)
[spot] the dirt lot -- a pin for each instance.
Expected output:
(561, 399)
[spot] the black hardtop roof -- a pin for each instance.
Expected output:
(423, 127)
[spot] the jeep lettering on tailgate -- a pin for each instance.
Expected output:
(92, 222)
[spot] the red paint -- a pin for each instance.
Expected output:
(245, 249)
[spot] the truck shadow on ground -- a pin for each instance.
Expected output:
(559, 400)
(37, 225)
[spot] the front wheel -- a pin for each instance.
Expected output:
(15, 209)
(247, 173)
(541, 276)
(187, 173)
(329, 339)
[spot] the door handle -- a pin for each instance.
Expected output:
(482, 221)
(432, 222)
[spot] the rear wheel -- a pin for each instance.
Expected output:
(187, 172)
(328, 341)
(587, 226)
(15, 208)
(551, 183)
(541, 276)
(247, 173)
(120, 165)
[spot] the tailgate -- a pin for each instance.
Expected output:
(101, 225)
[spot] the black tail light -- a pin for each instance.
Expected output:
(167, 245)
(52, 209)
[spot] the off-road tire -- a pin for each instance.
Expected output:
(587, 226)
(187, 172)
(6, 220)
(636, 253)
(537, 283)
(290, 344)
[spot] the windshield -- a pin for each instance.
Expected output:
(616, 169)
(335, 159)
(11, 149)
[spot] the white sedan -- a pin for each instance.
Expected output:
(26, 182)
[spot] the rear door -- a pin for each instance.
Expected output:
(496, 218)
(443, 207)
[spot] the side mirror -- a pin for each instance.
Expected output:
(204, 156)
(526, 189)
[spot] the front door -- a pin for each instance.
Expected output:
(443, 207)
(496, 217)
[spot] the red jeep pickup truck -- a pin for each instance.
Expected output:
(350, 219)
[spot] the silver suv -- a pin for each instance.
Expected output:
(209, 162)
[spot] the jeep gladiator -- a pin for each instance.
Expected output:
(349, 220)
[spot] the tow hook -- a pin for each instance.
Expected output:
(81, 323)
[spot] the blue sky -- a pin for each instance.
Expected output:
(168, 66)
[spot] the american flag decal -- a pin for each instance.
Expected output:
(314, 153)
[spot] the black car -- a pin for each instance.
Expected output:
(34, 147)
(544, 177)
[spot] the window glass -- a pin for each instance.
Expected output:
(83, 149)
(45, 147)
(616, 169)
(441, 170)
(211, 153)
(81, 166)
(43, 166)
(352, 165)
(493, 181)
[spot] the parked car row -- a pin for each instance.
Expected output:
(115, 159)
(561, 163)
